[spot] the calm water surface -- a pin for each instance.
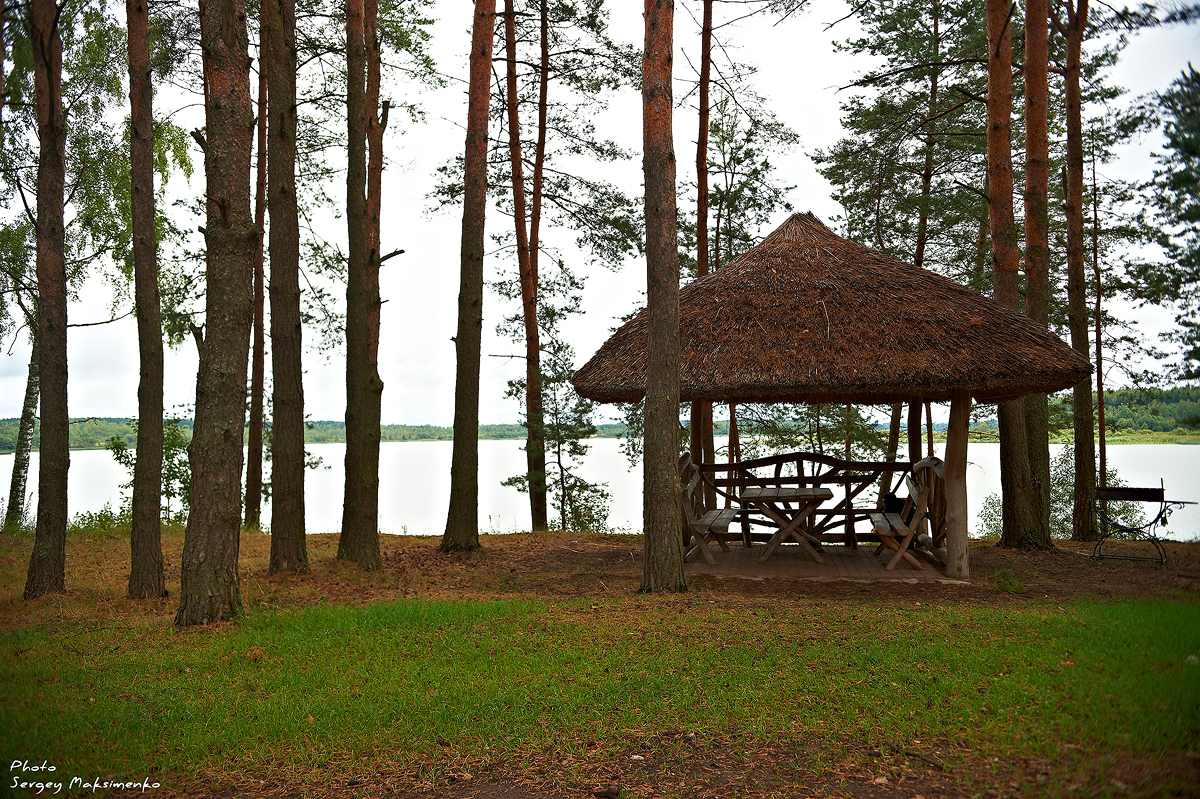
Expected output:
(415, 483)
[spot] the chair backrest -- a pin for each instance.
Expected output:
(919, 496)
(691, 501)
(689, 478)
(685, 463)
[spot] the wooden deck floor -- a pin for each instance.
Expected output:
(790, 563)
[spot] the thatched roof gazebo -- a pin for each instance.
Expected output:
(807, 316)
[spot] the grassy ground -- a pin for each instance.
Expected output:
(338, 683)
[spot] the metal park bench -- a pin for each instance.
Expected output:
(1110, 526)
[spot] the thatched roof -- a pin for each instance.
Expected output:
(807, 316)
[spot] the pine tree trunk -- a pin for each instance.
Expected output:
(893, 451)
(914, 431)
(930, 143)
(359, 541)
(1083, 527)
(662, 568)
(462, 520)
(1098, 318)
(210, 589)
(928, 428)
(535, 447)
(47, 564)
(536, 457)
(735, 441)
(3, 64)
(146, 578)
(1037, 245)
(376, 122)
(289, 550)
(701, 412)
(1020, 525)
(254, 442)
(20, 471)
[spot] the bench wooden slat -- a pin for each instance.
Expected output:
(1126, 494)
(717, 521)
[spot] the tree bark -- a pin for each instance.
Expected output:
(146, 578)
(1037, 243)
(462, 520)
(535, 446)
(210, 589)
(663, 560)
(359, 541)
(893, 451)
(47, 564)
(701, 412)
(254, 443)
(914, 431)
(1083, 526)
(289, 550)
(20, 471)
(930, 143)
(533, 357)
(1020, 523)
(1102, 474)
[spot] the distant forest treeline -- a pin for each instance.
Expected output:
(1124, 409)
(94, 433)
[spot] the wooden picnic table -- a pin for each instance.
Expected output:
(830, 521)
(775, 502)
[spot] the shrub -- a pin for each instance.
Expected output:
(104, 523)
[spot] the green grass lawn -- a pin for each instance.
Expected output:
(301, 688)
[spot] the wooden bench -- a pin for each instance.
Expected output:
(1110, 526)
(903, 525)
(701, 528)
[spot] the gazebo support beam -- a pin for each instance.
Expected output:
(957, 556)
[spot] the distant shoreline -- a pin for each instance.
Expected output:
(1155, 439)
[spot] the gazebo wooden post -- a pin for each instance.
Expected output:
(957, 555)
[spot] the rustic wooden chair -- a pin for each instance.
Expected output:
(903, 526)
(700, 528)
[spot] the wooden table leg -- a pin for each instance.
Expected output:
(786, 529)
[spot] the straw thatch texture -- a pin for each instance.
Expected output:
(807, 316)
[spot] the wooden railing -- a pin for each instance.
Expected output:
(829, 523)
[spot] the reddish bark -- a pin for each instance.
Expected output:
(462, 520)
(289, 551)
(210, 589)
(47, 564)
(535, 447)
(663, 563)
(1037, 242)
(254, 443)
(145, 538)
(1082, 520)
(1019, 524)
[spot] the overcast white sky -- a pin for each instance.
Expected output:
(798, 72)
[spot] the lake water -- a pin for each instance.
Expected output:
(415, 483)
